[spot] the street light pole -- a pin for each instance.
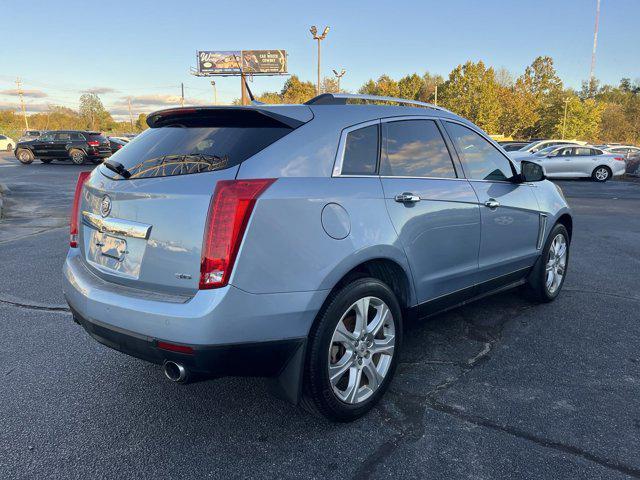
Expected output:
(339, 76)
(319, 38)
(215, 92)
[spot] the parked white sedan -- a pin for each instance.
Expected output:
(6, 143)
(578, 161)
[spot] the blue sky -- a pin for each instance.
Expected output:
(144, 49)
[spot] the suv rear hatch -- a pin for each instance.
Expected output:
(144, 226)
(98, 145)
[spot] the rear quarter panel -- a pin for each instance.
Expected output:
(286, 247)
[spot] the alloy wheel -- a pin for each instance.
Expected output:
(361, 350)
(602, 174)
(556, 263)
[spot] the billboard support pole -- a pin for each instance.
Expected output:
(243, 89)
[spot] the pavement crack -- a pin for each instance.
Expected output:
(31, 306)
(531, 437)
(606, 294)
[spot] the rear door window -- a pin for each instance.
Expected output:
(361, 151)
(62, 137)
(415, 148)
(179, 150)
(480, 159)
(581, 151)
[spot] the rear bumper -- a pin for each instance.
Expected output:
(210, 318)
(619, 168)
(265, 359)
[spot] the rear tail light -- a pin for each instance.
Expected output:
(73, 222)
(93, 143)
(621, 159)
(229, 213)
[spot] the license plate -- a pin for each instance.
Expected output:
(112, 247)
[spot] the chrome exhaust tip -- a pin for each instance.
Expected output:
(175, 372)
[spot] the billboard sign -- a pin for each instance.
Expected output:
(264, 61)
(227, 61)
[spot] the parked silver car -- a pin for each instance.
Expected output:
(292, 241)
(579, 161)
(537, 145)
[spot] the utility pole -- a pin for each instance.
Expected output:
(435, 99)
(595, 44)
(182, 96)
(564, 122)
(24, 110)
(130, 114)
(339, 76)
(319, 38)
(215, 92)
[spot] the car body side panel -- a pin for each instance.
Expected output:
(510, 231)
(551, 202)
(440, 233)
(287, 249)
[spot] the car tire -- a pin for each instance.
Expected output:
(77, 156)
(365, 357)
(24, 156)
(601, 174)
(550, 271)
(9, 147)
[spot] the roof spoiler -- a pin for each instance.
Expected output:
(202, 116)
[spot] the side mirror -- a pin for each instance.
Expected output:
(531, 172)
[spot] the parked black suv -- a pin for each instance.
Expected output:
(75, 145)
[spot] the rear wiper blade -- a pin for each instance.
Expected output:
(117, 168)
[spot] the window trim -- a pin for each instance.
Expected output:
(342, 145)
(339, 159)
(488, 139)
(383, 148)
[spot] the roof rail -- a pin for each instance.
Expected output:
(342, 98)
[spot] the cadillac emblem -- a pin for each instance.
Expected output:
(105, 206)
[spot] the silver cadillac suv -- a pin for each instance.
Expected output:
(290, 241)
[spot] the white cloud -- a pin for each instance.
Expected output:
(30, 107)
(27, 93)
(100, 90)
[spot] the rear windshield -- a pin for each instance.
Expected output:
(96, 136)
(180, 150)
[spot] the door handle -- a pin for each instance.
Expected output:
(407, 197)
(492, 203)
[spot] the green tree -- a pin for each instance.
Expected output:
(543, 86)
(583, 119)
(329, 85)
(385, 86)
(472, 92)
(296, 91)
(141, 122)
(93, 112)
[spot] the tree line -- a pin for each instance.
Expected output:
(532, 105)
(535, 104)
(91, 115)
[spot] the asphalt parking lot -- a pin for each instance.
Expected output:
(502, 388)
